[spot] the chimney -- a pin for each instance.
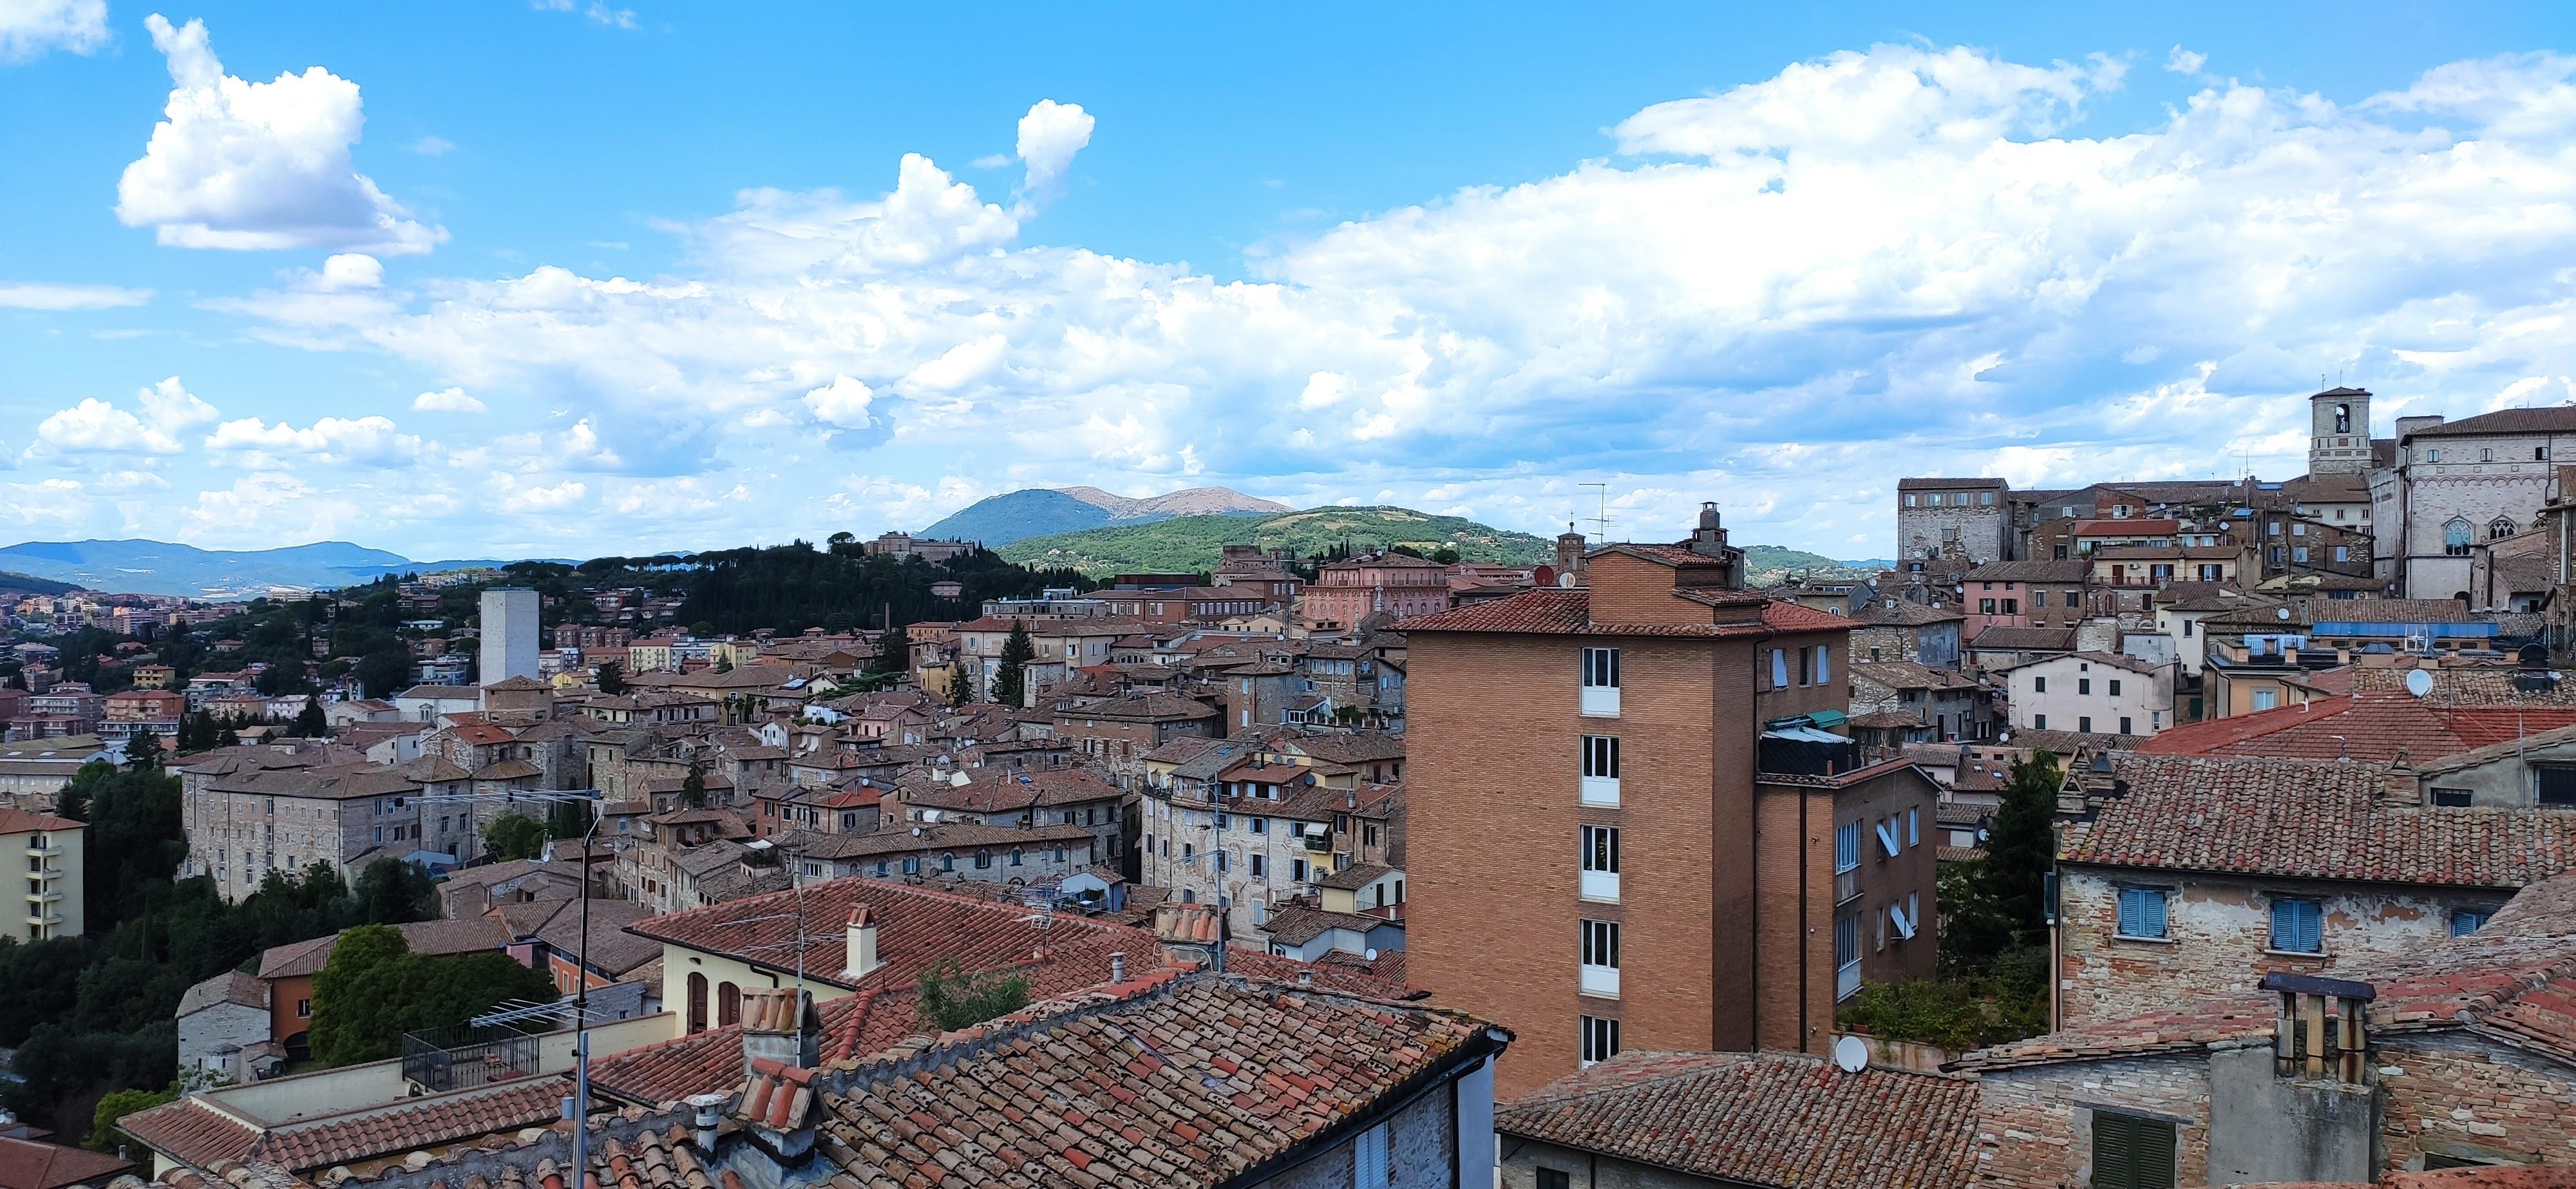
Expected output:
(2404, 786)
(1117, 966)
(860, 944)
(2320, 1033)
(709, 1109)
(782, 1048)
(1709, 539)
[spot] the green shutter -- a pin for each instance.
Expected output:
(2132, 1153)
(2115, 1151)
(2155, 1155)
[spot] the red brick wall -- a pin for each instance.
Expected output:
(1493, 735)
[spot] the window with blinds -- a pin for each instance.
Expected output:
(2132, 1153)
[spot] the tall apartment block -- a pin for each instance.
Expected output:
(509, 626)
(1632, 824)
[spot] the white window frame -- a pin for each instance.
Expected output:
(1599, 958)
(1599, 862)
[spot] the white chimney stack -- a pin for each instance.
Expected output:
(861, 944)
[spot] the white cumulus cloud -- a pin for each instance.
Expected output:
(446, 400)
(243, 165)
(30, 295)
(2183, 61)
(164, 411)
(371, 441)
(843, 402)
(29, 28)
(1777, 295)
(1050, 135)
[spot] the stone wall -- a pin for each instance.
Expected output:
(2464, 1097)
(2035, 1124)
(2218, 933)
(1983, 534)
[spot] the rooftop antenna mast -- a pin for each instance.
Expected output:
(1601, 521)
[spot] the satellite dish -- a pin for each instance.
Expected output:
(2280, 613)
(2419, 682)
(2003, 737)
(1371, 954)
(1851, 1054)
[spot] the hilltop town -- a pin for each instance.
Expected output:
(2137, 833)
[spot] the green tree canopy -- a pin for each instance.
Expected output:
(952, 999)
(693, 787)
(612, 678)
(1010, 682)
(513, 835)
(358, 998)
(103, 1135)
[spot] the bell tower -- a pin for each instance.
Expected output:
(2339, 432)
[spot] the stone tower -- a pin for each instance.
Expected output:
(2339, 432)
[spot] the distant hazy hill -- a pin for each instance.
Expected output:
(1187, 544)
(28, 584)
(1042, 511)
(1765, 565)
(158, 567)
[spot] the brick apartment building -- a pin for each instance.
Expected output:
(1672, 899)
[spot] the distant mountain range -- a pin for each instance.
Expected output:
(158, 567)
(1044, 511)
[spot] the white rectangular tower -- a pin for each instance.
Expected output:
(509, 633)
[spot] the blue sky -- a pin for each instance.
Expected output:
(569, 278)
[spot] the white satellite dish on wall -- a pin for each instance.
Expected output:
(1851, 1054)
(2419, 682)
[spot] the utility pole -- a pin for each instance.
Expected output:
(1601, 521)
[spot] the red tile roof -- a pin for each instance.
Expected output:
(1569, 612)
(2372, 725)
(1771, 1118)
(26, 1164)
(24, 821)
(2309, 819)
(1193, 1081)
(193, 1132)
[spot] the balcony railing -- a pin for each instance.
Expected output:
(1846, 980)
(1601, 791)
(1601, 885)
(1319, 841)
(1601, 981)
(1600, 701)
(1846, 885)
(464, 1057)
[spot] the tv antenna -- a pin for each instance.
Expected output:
(1601, 520)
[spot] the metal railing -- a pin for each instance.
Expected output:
(468, 1056)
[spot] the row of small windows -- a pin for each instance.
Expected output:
(2298, 924)
(1955, 499)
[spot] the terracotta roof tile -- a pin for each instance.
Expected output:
(27, 1164)
(1771, 1118)
(2309, 819)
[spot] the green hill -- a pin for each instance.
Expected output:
(1766, 565)
(1187, 544)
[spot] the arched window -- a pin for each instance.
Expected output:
(697, 1003)
(2499, 528)
(2455, 536)
(948, 862)
(1015, 856)
(2343, 419)
(983, 860)
(728, 1004)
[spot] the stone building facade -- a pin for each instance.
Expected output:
(2458, 484)
(1969, 518)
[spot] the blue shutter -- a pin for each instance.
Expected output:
(2132, 917)
(2153, 911)
(2297, 927)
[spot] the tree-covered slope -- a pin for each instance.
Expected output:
(1186, 544)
